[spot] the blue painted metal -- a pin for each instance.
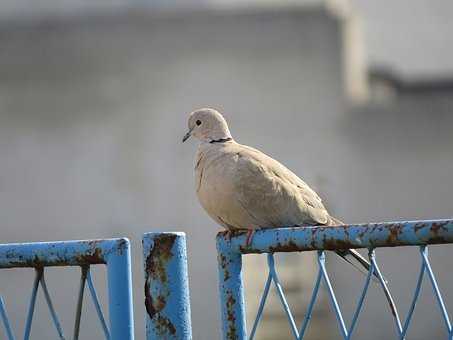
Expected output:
(309, 312)
(97, 305)
(166, 286)
(31, 307)
(259, 314)
(120, 292)
(5, 319)
(114, 253)
(232, 245)
(386, 290)
(432, 278)
(388, 234)
(362, 297)
(231, 291)
(83, 278)
(333, 299)
(281, 295)
(53, 314)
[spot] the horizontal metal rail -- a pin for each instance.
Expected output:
(232, 245)
(114, 253)
(370, 235)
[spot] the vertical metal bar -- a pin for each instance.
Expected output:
(120, 291)
(31, 307)
(53, 314)
(83, 278)
(97, 305)
(231, 291)
(9, 332)
(167, 299)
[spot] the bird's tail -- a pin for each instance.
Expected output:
(354, 258)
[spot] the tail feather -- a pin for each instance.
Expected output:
(354, 258)
(365, 264)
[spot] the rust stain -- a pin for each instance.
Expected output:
(289, 246)
(418, 226)
(437, 226)
(231, 318)
(92, 258)
(155, 269)
(223, 263)
(334, 244)
(395, 229)
(159, 256)
(164, 326)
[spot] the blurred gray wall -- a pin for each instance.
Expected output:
(92, 112)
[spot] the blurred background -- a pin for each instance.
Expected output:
(356, 97)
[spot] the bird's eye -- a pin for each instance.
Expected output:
(198, 122)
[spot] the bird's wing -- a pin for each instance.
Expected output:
(274, 194)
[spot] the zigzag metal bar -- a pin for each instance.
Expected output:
(414, 301)
(97, 305)
(443, 309)
(6, 324)
(273, 273)
(333, 300)
(387, 293)
(362, 297)
(51, 308)
(31, 307)
(83, 278)
(259, 314)
(311, 305)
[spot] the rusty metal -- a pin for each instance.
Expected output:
(114, 253)
(231, 292)
(370, 235)
(166, 286)
(232, 245)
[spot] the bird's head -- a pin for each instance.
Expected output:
(207, 125)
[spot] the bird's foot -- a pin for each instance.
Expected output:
(249, 239)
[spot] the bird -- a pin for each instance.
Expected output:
(242, 188)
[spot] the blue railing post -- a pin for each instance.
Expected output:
(231, 291)
(120, 291)
(166, 287)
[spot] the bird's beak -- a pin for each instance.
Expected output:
(187, 135)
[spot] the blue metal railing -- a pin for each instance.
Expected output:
(114, 253)
(231, 248)
(166, 276)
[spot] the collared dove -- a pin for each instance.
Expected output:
(242, 188)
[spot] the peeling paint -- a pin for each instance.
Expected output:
(156, 270)
(231, 319)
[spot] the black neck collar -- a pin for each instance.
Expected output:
(222, 140)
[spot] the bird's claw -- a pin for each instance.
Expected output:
(249, 239)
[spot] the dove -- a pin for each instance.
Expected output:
(242, 188)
